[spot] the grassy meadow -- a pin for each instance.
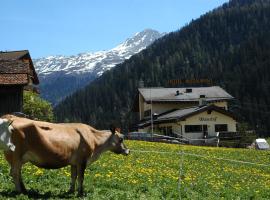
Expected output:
(154, 175)
(268, 140)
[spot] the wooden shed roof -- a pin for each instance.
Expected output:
(14, 72)
(13, 55)
(16, 67)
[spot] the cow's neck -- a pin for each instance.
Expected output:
(102, 144)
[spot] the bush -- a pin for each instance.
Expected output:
(36, 107)
(240, 139)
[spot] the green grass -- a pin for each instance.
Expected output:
(153, 175)
(268, 140)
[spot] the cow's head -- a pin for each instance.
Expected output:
(117, 142)
(5, 125)
(5, 135)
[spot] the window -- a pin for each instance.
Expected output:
(167, 130)
(193, 128)
(147, 113)
(221, 127)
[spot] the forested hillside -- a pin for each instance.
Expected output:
(230, 46)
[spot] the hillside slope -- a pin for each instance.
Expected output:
(230, 46)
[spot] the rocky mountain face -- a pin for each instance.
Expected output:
(62, 75)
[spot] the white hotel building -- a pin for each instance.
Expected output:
(194, 113)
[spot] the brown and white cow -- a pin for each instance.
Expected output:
(52, 146)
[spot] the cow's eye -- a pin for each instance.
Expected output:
(121, 140)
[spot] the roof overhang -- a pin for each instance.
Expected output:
(210, 100)
(161, 119)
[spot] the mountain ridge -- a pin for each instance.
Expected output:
(70, 73)
(73, 64)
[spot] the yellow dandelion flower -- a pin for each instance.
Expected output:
(97, 175)
(39, 172)
(67, 173)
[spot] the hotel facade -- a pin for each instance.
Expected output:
(192, 113)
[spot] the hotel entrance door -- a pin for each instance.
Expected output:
(205, 131)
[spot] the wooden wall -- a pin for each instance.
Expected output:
(11, 99)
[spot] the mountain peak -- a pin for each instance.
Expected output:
(97, 62)
(148, 31)
(73, 72)
(145, 35)
(138, 42)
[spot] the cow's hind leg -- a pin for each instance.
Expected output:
(73, 179)
(80, 172)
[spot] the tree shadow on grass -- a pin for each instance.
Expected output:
(34, 194)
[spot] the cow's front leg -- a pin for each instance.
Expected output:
(73, 179)
(80, 172)
(22, 185)
(16, 175)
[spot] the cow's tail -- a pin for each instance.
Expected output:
(5, 135)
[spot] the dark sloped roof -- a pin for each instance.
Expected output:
(15, 79)
(188, 112)
(14, 66)
(178, 114)
(17, 62)
(182, 114)
(13, 55)
(170, 94)
(13, 72)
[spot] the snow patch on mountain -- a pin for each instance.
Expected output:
(60, 76)
(97, 62)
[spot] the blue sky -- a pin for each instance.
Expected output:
(69, 27)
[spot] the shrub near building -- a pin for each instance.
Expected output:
(36, 107)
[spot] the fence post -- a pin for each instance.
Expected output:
(180, 173)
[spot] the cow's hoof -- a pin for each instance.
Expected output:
(81, 194)
(70, 191)
(24, 191)
(21, 192)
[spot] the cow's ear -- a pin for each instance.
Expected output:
(10, 122)
(112, 128)
(118, 130)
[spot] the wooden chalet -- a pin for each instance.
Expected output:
(17, 72)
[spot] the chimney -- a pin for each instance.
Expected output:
(202, 101)
(141, 84)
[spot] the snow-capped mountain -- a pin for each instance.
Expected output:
(72, 72)
(98, 61)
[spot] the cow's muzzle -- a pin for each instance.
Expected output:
(126, 152)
